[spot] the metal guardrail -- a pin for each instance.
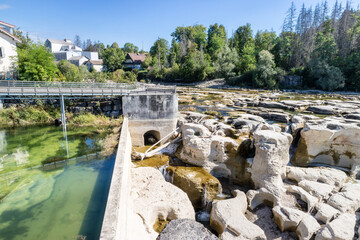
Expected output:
(42, 84)
(32, 88)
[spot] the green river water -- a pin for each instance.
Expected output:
(48, 192)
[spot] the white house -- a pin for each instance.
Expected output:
(66, 50)
(96, 65)
(8, 52)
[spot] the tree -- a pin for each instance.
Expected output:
(264, 40)
(248, 58)
(289, 22)
(77, 41)
(325, 46)
(130, 48)
(241, 37)
(266, 73)
(225, 62)
(174, 55)
(25, 39)
(160, 50)
(35, 63)
(113, 58)
(115, 45)
(216, 39)
(326, 76)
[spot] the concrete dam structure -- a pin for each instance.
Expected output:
(150, 115)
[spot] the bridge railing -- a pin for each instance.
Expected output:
(43, 84)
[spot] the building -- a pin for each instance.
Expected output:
(66, 50)
(78, 60)
(134, 60)
(8, 52)
(96, 65)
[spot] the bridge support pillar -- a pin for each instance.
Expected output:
(62, 106)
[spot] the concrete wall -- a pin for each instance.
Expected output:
(107, 107)
(116, 213)
(8, 46)
(150, 112)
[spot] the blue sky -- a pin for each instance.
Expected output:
(140, 22)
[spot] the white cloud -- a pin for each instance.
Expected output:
(4, 6)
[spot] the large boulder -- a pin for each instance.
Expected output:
(228, 219)
(182, 229)
(154, 199)
(341, 228)
(200, 186)
(329, 141)
(271, 157)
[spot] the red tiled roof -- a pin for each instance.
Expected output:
(137, 57)
(7, 24)
(9, 34)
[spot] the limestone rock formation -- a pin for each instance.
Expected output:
(329, 141)
(307, 227)
(154, 199)
(228, 219)
(320, 190)
(213, 153)
(329, 176)
(348, 199)
(341, 228)
(271, 157)
(199, 185)
(181, 229)
(287, 218)
(325, 212)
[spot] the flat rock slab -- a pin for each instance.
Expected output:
(185, 229)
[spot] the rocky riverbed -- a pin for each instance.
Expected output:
(253, 165)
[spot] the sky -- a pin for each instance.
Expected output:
(140, 22)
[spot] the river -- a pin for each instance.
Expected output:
(50, 188)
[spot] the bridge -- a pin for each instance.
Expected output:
(33, 89)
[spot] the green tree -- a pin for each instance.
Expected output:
(25, 39)
(160, 50)
(242, 36)
(35, 63)
(113, 58)
(130, 48)
(216, 39)
(264, 40)
(69, 71)
(247, 60)
(115, 45)
(327, 77)
(225, 63)
(174, 55)
(266, 73)
(325, 46)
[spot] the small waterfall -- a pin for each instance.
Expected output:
(168, 176)
(204, 215)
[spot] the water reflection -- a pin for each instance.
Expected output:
(2, 141)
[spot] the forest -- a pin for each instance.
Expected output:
(320, 45)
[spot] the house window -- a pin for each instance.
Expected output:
(1, 52)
